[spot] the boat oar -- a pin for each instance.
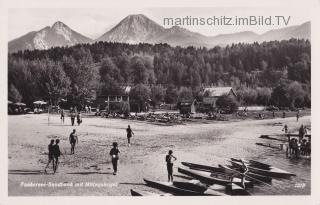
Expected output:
(236, 171)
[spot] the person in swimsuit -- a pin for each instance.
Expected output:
(169, 160)
(129, 134)
(73, 139)
(50, 156)
(114, 153)
(56, 154)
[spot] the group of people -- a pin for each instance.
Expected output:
(300, 146)
(54, 150)
(54, 154)
(73, 115)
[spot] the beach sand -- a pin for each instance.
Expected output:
(212, 143)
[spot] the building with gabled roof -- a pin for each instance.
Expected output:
(211, 94)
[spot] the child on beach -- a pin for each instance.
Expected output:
(114, 153)
(170, 159)
(285, 128)
(129, 134)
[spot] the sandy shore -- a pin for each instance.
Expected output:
(211, 143)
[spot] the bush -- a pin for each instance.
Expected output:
(228, 104)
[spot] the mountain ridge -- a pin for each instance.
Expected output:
(138, 28)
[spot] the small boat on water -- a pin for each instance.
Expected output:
(135, 192)
(213, 178)
(169, 187)
(272, 172)
(230, 169)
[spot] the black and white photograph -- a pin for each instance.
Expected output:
(159, 101)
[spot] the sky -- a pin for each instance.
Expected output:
(94, 22)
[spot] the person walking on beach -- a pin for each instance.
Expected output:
(298, 115)
(169, 160)
(284, 114)
(79, 118)
(73, 139)
(50, 156)
(56, 154)
(62, 116)
(114, 153)
(129, 134)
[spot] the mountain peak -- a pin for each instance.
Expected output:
(58, 34)
(134, 28)
(59, 24)
(137, 16)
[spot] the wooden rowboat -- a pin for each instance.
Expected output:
(196, 185)
(259, 177)
(212, 178)
(253, 163)
(169, 187)
(272, 172)
(135, 192)
(226, 171)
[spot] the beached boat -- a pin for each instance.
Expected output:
(272, 172)
(253, 163)
(258, 177)
(197, 186)
(226, 171)
(216, 189)
(135, 192)
(213, 178)
(169, 187)
(202, 167)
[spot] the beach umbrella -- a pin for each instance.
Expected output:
(39, 102)
(20, 104)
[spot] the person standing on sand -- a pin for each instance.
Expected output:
(302, 132)
(114, 153)
(72, 116)
(298, 115)
(73, 139)
(284, 114)
(169, 160)
(62, 116)
(79, 118)
(50, 155)
(129, 134)
(56, 154)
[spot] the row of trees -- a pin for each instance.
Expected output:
(267, 73)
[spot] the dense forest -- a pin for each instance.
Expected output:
(270, 73)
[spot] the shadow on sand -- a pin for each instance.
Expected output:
(87, 173)
(25, 172)
(127, 183)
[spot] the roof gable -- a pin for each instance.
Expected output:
(217, 91)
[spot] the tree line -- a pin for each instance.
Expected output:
(276, 72)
